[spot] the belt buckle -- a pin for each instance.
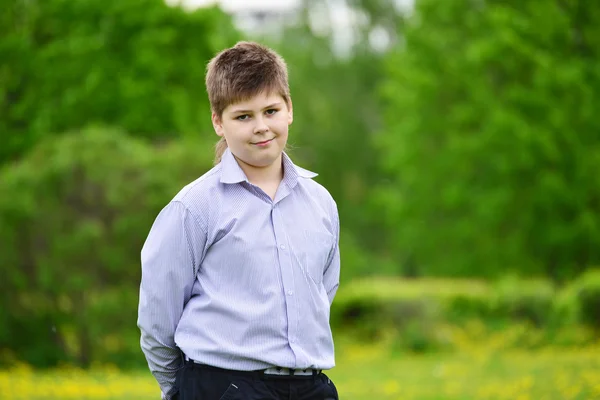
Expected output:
(284, 371)
(277, 371)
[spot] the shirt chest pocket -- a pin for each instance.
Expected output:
(314, 251)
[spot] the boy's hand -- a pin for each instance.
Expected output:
(174, 397)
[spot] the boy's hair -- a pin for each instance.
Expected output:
(241, 72)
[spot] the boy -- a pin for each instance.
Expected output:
(240, 268)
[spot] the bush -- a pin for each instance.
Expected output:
(409, 308)
(586, 290)
(74, 215)
(565, 308)
(523, 299)
(406, 299)
(422, 314)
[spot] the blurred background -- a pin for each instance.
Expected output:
(458, 138)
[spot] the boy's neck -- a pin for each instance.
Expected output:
(269, 175)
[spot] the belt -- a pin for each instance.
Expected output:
(291, 371)
(268, 372)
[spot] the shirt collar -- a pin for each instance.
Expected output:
(231, 172)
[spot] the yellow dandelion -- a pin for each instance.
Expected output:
(391, 387)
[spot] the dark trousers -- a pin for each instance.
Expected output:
(201, 382)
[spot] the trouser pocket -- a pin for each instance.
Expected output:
(231, 392)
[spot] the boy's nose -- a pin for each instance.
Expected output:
(260, 126)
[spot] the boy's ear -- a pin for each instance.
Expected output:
(217, 124)
(290, 112)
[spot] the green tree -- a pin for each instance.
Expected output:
(492, 138)
(137, 64)
(73, 217)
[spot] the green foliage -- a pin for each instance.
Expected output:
(74, 215)
(372, 306)
(581, 301)
(589, 298)
(523, 299)
(421, 314)
(492, 139)
(136, 64)
(358, 261)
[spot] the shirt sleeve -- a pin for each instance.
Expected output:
(170, 259)
(331, 275)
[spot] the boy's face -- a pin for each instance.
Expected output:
(256, 130)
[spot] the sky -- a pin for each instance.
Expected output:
(342, 19)
(237, 5)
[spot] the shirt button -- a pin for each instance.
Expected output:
(290, 292)
(293, 341)
(282, 247)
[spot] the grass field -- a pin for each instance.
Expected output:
(367, 373)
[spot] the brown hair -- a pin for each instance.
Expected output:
(241, 72)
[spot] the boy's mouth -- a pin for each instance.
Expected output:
(263, 143)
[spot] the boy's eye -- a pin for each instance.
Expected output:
(242, 117)
(271, 111)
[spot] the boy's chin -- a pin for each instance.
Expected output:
(262, 160)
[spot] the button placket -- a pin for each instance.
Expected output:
(287, 274)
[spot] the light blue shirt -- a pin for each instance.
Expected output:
(237, 280)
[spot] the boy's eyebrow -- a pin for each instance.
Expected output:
(249, 111)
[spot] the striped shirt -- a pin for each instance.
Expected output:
(237, 280)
